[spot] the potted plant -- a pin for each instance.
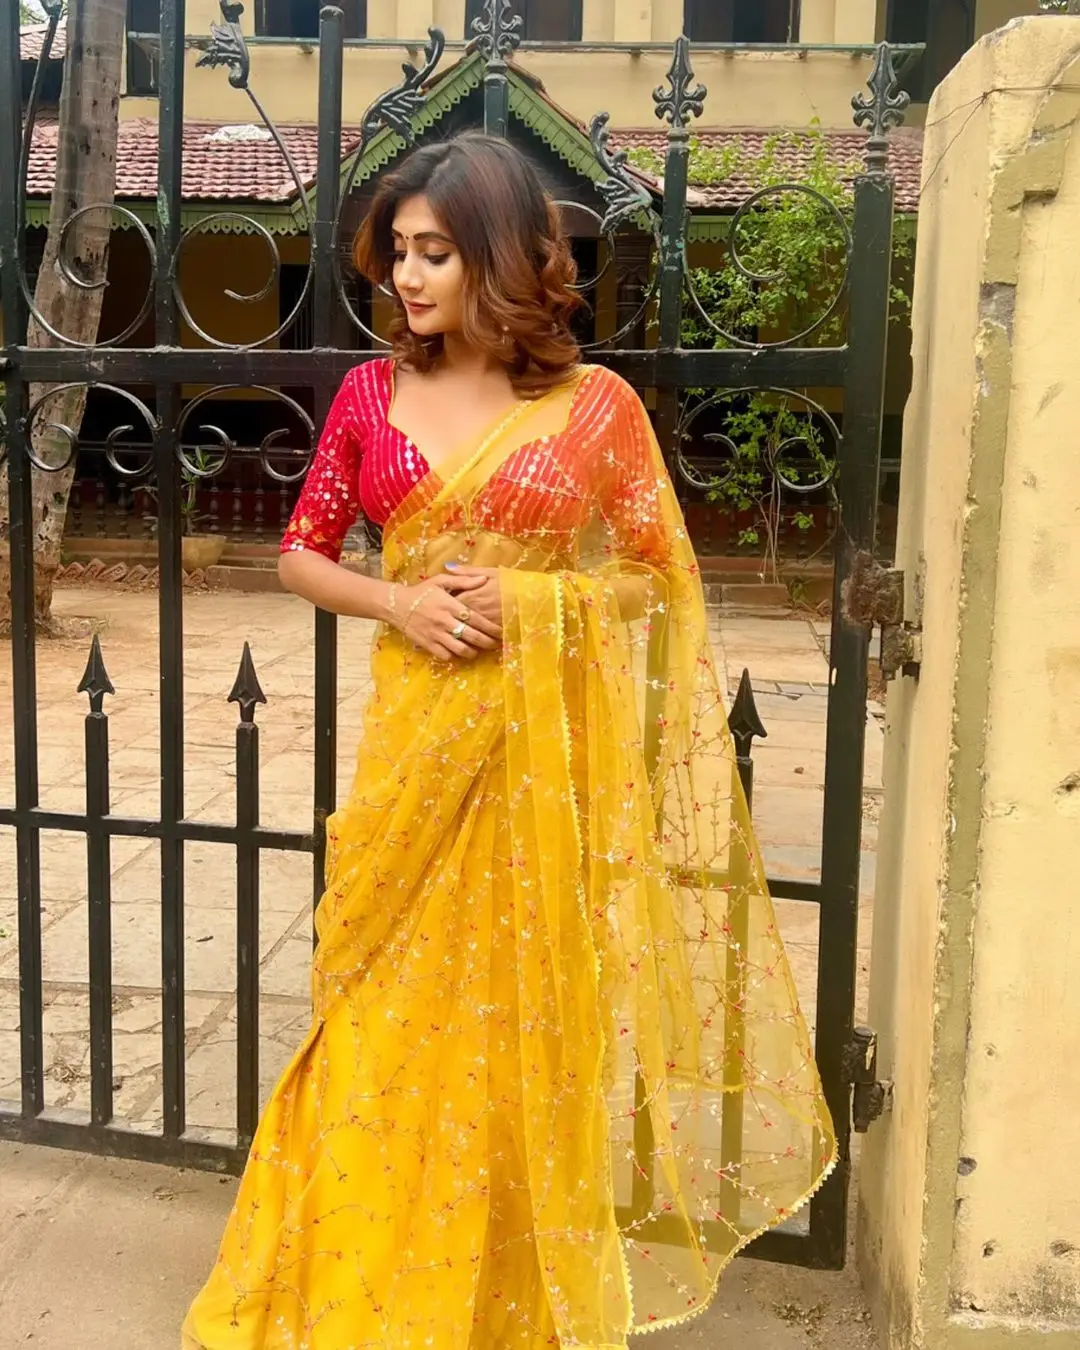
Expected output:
(197, 551)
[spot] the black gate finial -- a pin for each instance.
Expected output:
(498, 30)
(678, 101)
(246, 689)
(882, 111)
(745, 720)
(745, 724)
(95, 680)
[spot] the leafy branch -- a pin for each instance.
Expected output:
(782, 276)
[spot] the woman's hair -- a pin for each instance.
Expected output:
(519, 271)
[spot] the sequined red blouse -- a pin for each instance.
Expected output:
(363, 462)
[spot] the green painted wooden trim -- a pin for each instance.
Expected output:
(274, 219)
(714, 229)
(386, 145)
(558, 133)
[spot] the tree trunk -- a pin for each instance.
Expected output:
(85, 176)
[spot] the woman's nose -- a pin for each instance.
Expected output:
(408, 273)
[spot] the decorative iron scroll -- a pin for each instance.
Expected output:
(781, 461)
(394, 110)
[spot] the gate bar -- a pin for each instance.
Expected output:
(327, 188)
(845, 739)
(171, 588)
(21, 542)
(736, 367)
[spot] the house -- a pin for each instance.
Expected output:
(773, 69)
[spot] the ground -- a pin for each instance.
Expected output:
(116, 1249)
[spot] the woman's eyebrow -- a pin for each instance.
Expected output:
(424, 236)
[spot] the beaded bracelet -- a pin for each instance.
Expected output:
(428, 590)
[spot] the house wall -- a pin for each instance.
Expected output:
(747, 89)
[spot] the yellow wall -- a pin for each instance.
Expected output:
(748, 89)
(764, 89)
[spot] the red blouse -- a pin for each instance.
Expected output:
(553, 483)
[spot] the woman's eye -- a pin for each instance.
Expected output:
(437, 258)
(399, 257)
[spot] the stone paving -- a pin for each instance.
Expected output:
(61, 1197)
(785, 657)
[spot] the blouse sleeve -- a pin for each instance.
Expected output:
(633, 482)
(330, 498)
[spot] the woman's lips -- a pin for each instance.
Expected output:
(414, 308)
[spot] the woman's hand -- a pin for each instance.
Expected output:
(484, 596)
(438, 617)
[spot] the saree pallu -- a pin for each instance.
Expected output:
(557, 1075)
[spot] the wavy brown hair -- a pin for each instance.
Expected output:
(519, 271)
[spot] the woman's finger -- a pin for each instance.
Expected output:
(480, 640)
(486, 573)
(457, 583)
(483, 624)
(490, 606)
(459, 649)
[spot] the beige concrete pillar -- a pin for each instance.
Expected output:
(969, 1190)
(633, 21)
(855, 22)
(817, 20)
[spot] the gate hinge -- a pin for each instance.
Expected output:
(874, 595)
(869, 1098)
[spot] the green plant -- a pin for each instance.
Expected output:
(199, 466)
(773, 448)
(782, 277)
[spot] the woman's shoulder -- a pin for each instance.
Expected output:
(374, 374)
(368, 385)
(605, 384)
(603, 377)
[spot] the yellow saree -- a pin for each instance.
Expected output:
(557, 1074)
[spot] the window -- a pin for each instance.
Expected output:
(300, 335)
(947, 27)
(545, 20)
(300, 18)
(143, 16)
(741, 20)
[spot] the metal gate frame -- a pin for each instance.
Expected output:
(857, 368)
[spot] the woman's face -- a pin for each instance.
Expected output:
(429, 273)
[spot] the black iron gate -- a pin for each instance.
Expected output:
(855, 365)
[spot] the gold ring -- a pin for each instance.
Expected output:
(464, 615)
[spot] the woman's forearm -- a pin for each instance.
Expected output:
(332, 587)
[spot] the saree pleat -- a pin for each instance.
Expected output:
(557, 1074)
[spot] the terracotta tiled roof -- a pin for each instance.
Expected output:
(243, 163)
(32, 39)
(793, 150)
(221, 163)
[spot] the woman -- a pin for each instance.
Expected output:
(557, 1074)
